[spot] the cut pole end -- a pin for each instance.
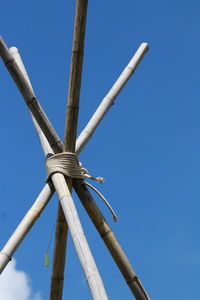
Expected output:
(13, 50)
(139, 54)
(145, 45)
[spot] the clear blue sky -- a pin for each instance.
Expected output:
(148, 146)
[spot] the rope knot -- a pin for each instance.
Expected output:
(65, 163)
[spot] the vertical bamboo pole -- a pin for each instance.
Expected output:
(70, 129)
(75, 76)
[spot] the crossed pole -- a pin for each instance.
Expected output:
(67, 216)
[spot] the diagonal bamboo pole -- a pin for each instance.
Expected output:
(29, 97)
(61, 232)
(25, 225)
(83, 251)
(44, 143)
(90, 131)
(109, 99)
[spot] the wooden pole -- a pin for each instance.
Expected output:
(70, 132)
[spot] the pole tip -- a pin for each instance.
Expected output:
(145, 45)
(13, 50)
(1, 39)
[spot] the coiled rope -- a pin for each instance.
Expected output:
(67, 164)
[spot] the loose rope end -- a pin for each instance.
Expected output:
(115, 219)
(104, 200)
(100, 179)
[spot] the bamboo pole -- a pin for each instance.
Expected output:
(70, 131)
(61, 232)
(109, 99)
(80, 242)
(42, 138)
(75, 76)
(86, 138)
(25, 225)
(57, 277)
(83, 251)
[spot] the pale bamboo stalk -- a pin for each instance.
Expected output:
(25, 225)
(109, 99)
(83, 251)
(42, 138)
(94, 280)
